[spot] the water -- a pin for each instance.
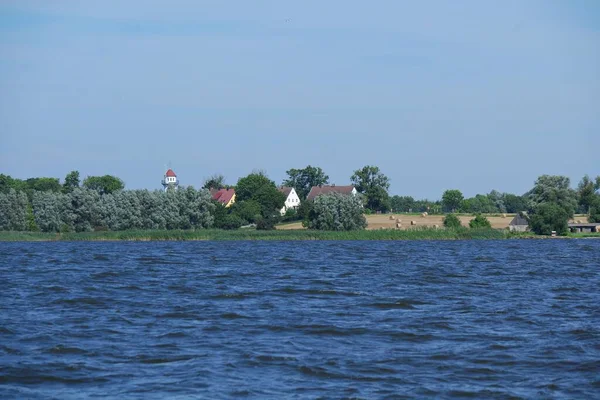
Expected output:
(471, 319)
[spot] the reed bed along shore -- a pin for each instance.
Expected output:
(251, 234)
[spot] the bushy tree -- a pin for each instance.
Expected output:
(304, 179)
(260, 189)
(374, 185)
(248, 210)
(553, 190)
(402, 203)
(48, 210)
(71, 182)
(216, 181)
(452, 199)
(337, 212)
(231, 221)
(497, 199)
(452, 221)
(479, 222)
(478, 204)
(514, 203)
(13, 211)
(594, 215)
(549, 217)
(586, 191)
(103, 184)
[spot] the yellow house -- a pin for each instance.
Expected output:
(223, 196)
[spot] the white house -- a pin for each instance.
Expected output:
(291, 198)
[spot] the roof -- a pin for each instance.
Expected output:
(170, 173)
(319, 190)
(584, 225)
(286, 190)
(223, 196)
(519, 220)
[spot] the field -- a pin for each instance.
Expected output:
(383, 221)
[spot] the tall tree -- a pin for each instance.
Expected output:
(304, 179)
(553, 190)
(452, 199)
(216, 181)
(372, 183)
(258, 187)
(71, 182)
(587, 192)
(103, 184)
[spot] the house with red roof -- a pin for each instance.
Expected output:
(316, 191)
(223, 196)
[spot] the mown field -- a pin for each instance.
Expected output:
(383, 221)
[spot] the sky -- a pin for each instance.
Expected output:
(473, 95)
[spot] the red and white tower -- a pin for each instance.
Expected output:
(170, 181)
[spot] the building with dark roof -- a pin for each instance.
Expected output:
(316, 191)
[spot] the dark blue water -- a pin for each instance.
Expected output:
(471, 319)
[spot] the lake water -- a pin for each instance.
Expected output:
(464, 319)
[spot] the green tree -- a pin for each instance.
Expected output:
(549, 217)
(586, 191)
(261, 189)
(452, 199)
(514, 203)
(71, 182)
(304, 179)
(248, 210)
(216, 181)
(13, 211)
(103, 184)
(374, 185)
(452, 221)
(402, 203)
(594, 215)
(479, 222)
(553, 190)
(337, 212)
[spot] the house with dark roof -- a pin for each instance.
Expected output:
(519, 224)
(316, 191)
(223, 196)
(292, 201)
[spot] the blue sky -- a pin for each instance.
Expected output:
(474, 95)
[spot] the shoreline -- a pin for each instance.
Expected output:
(280, 235)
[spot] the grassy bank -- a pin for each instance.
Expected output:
(248, 234)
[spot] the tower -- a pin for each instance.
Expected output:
(170, 181)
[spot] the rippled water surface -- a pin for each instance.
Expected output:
(479, 319)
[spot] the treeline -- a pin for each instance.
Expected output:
(101, 203)
(85, 209)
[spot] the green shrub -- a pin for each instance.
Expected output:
(548, 217)
(479, 222)
(231, 221)
(266, 223)
(337, 212)
(452, 221)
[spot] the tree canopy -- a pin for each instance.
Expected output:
(103, 184)
(304, 179)
(216, 181)
(451, 199)
(71, 182)
(337, 212)
(374, 185)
